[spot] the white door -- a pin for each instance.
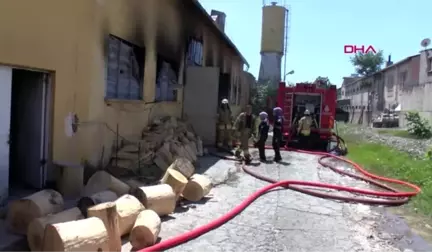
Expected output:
(200, 101)
(5, 111)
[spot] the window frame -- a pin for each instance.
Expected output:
(139, 57)
(195, 44)
(175, 66)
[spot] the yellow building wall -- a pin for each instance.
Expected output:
(52, 35)
(67, 38)
(273, 29)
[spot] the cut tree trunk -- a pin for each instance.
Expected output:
(101, 197)
(159, 198)
(36, 228)
(134, 184)
(184, 166)
(70, 179)
(197, 188)
(81, 235)
(101, 181)
(176, 180)
(145, 230)
(107, 212)
(128, 208)
(21, 212)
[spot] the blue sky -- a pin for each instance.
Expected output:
(319, 30)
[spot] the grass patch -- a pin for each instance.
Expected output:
(386, 161)
(398, 133)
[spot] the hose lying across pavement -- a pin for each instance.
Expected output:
(399, 198)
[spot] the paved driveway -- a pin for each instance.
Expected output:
(285, 220)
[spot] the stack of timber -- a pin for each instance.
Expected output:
(165, 140)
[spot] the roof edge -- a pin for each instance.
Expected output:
(387, 68)
(224, 36)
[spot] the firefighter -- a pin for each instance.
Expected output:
(304, 129)
(224, 125)
(277, 133)
(245, 127)
(263, 129)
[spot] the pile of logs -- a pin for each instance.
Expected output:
(161, 143)
(109, 210)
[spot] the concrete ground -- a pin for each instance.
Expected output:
(285, 220)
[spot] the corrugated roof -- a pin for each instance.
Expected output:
(218, 31)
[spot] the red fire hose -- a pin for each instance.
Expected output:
(399, 198)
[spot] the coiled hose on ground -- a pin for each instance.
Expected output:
(397, 197)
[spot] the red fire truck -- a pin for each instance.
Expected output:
(320, 100)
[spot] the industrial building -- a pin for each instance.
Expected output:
(78, 74)
(400, 86)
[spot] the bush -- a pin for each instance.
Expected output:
(259, 97)
(418, 126)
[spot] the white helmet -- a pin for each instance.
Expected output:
(307, 112)
(225, 101)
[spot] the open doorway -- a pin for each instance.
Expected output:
(224, 87)
(28, 130)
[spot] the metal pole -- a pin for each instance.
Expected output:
(117, 144)
(286, 43)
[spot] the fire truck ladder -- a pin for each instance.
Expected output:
(288, 102)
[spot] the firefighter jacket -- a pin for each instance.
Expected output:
(244, 122)
(225, 116)
(305, 125)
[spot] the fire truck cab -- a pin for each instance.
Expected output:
(320, 100)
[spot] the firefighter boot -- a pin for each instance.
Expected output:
(247, 158)
(261, 149)
(277, 157)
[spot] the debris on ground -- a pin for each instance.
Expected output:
(161, 143)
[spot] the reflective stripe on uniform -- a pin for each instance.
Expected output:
(305, 132)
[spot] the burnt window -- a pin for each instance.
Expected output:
(166, 79)
(195, 52)
(403, 79)
(124, 70)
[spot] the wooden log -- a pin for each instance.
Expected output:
(101, 197)
(36, 228)
(145, 230)
(82, 235)
(197, 188)
(176, 180)
(107, 212)
(23, 211)
(128, 208)
(69, 179)
(134, 184)
(184, 166)
(101, 181)
(159, 198)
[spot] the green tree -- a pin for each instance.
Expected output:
(259, 97)
(322, 81)
(367, 63)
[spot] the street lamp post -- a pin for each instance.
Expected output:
(289, 73)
